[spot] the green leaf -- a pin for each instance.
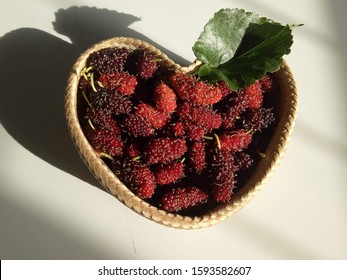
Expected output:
(223, 34)
(240, 47)
(261, 51)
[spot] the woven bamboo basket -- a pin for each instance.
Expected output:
(264, 170)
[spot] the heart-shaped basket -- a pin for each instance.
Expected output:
(262, 173)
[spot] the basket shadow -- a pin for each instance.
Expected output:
(34, 69)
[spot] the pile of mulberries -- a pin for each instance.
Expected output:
(182, 144)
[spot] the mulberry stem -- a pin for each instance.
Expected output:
(86, 99)
(218, 141)
(92, 82)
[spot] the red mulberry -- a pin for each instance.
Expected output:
(197, 156)
(137, 126)
(121, 82)
(198, 115)
(182, 199)
(105, 142)
(165, 98)
(195, 91)
(157, 119)
(255, 95)
(138, 176)
(169, 173)
(164, 150)
(234, 141)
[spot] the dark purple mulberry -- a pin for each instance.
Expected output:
(137, 126)
(137, 175)
(234, 109)
(102, 119)
(110, 102)
(147, 65)
(258, 119)
(108, 60)
(223, 177)
(242, 161)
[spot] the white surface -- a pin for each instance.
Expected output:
(51, 208)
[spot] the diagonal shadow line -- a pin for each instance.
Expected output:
(34, 69)
(267, 239)
(28, 235)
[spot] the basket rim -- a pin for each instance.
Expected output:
(114, 186)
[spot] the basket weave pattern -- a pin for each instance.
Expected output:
(109, 180)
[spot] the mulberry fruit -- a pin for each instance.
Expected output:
(121, 82)
(169, 173)
(195, 91)
(147, 65)
(165, 98)
(255, 95)
(137, 126)
(197, 156)
(108, 60)
(195, 132)
(105, 142)
(157, 119)
(177, 129)
(234, 109)
(111, 102)
(138, 176)
(164, 150)
(234, 141)
(223, 177)
(198, 115)
(132, 150)
(102, 119)
(224, 88)
(183, 198)
(258, 119)
(242, 161)
(268, 84)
